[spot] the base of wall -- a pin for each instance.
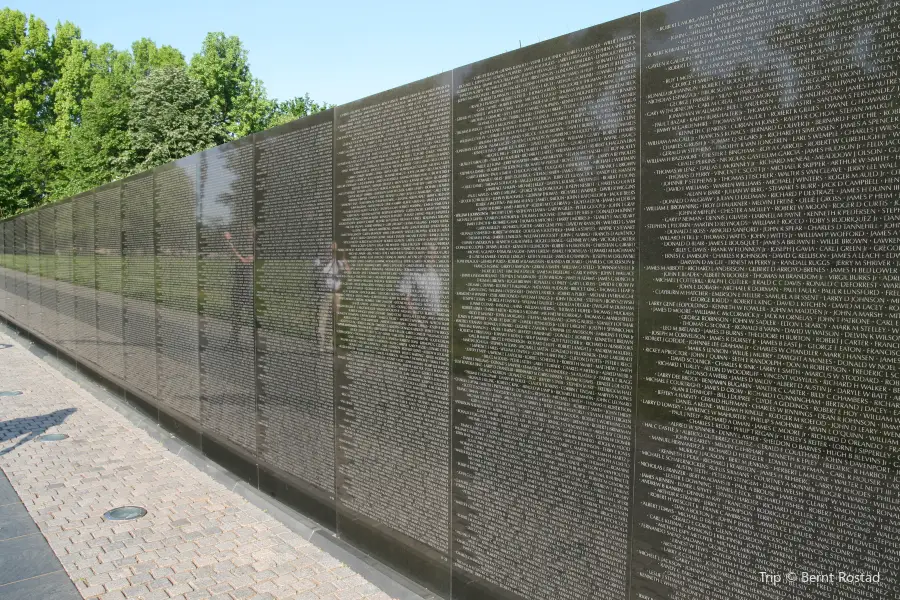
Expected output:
(429, 567)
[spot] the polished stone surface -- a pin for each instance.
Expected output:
(544, 284)
(55, 585)
(225, 281)
(15, 521)
(765, 430)
(8, 495)
(176, 301)
(294, 357)
(25, 557)
(392, 323)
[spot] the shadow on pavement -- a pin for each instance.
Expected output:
(30, 427)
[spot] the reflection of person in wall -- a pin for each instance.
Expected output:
(419, 293)
(334, 270)
(242, 284)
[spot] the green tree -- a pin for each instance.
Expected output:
(73, 78)
(71, 87)
(27, 70)
(170, 118)
(15, 188)
(26, 67)
(98, 150)
(295, 108)
(75, 114)
(148, 56)
(12, 41)
(237, 100)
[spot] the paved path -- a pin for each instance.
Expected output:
(199, 540)
(28, 568)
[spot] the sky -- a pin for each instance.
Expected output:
(338, 52)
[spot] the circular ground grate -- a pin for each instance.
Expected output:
(53, 437)
(11, 393)
(125, 513)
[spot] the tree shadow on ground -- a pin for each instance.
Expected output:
(30, 427)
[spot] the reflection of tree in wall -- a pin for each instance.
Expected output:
(789, 146)
(226, 220)
(175, 197)
(225, 285)
(175, 231)
(226, 205)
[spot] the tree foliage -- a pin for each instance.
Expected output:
(295, 108)
(238, 101)
(97, 149)
(75, 114)
(147, 56)
(171, 117)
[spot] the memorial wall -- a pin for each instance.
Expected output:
(294, 235)
(33, 281)
(392, 255)
(20, 306)
(767, 379)
(84, 277)
(108, 256)
(610, 316)
(139, 286)
(544, 281)
(3, 267)
(225, 283)
(67, 320)
(49, 323)
(177, 327)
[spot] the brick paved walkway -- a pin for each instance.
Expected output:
(199, 540)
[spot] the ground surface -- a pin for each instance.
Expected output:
(199, 540)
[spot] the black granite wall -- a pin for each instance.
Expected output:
(611, 316)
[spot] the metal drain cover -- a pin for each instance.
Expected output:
(125, 513)
(11, 393)
(53, 437)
